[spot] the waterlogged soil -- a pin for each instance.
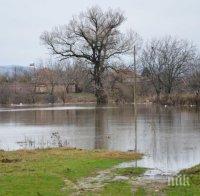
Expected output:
(65, 171)
(79, 172)
(153, 181)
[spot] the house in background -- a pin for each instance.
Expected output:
(20, 87)
(46, 88)
(124, 76)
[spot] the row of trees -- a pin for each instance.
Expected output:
(91, 48)
(167, 61)
(65, 73)
(95, 38)
(23, 85)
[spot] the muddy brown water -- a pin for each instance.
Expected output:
(169, 137)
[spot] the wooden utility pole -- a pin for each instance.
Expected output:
(135, 98)
(135, 77)
(35, 82)
(15, 78)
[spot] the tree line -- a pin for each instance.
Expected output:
(92, 47)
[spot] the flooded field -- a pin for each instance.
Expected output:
(169, 137)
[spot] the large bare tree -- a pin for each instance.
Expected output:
(152, 68)
(93, 36)
(167, 60)
(194, 76)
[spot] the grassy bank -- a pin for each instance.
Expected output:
(186, 183)
(57, 171)
(45, 172)
(192, 185)
(80, 98)
(47, 98)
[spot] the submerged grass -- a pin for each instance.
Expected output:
(42, 172)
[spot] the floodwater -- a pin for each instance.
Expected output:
(169, 137)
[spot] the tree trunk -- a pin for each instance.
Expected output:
(197, 97)
(99, 90)
(101, 96)
(67, 89)
(34, 94)
(168, 90)
(52, 89)
(158, 95)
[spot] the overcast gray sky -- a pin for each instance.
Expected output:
(22, 22)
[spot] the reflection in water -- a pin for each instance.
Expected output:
(99, 128)
(135, 123)
(169, 137)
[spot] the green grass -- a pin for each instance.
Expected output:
(193, 189)
(140, 192)
(42, 172)
(117, 188)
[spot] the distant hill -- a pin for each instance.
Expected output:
(10, 70)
